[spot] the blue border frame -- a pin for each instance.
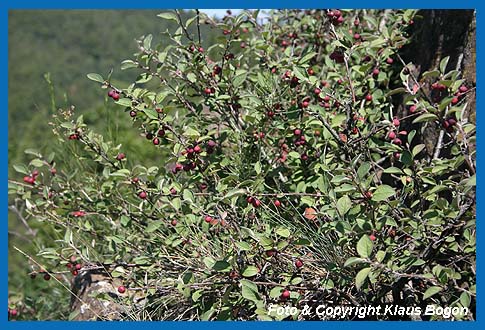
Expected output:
(6, 5)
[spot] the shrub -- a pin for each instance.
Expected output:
(288, 174)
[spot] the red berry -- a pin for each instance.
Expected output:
(35, 173)
(397, 141)
(75, 272)
(69, 265)
(156, 141)
(298, 263)
(115, 96)
(412, 108)
(392, 135)
(208, 91)
(121, 289)
(356, 36)
(452, 121)
(368, 194)
(356, 22)
(285, 294)
(454, 100)
(29, 179)
(78, 266)
(375, 72)
(111, 92)
(305, 104)
(132, 113)
(277, 203)
(368, 97)
(372, 237)
(250, 199)
(120, 156)
(310, 71)
(389, 61)
(161, 133)
(142, 195)
(297, 131)
(13, 312)
(397, 155)
(208, 218)
(53, 171)
(317, 91)
(396, 122)
(270, 253)
(173, 222)
(256, 202)
(463, 89)
(47, 277)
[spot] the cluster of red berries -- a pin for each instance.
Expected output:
(192, 49)
(448, 124)
(253, 201)
(459, 94)
(335, 16)
(209, 91)
(32, 177)
(78, 214)
(74, 136)
(74, 267)
(393, 136)
(115, 95)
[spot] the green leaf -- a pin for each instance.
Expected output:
(364, 246)
(393, 170)
(443, 64)
(239, 79)
(222, 266)
(151, 113)
(147, 42)
(431, 291)
(153, 226)
(383, 192)
(168, 15)
(188, 196)
(95, 77)
(244, 246)
(465, 299)
(257, 168)
(21, 168)
(363, 170)
(125, 102)
(417, 149)
(361, 277)
(36, 162)
(127, 64)
(344, 204)
(250, 271)
(353, 261)
(283, 232)
(209, 262)
(249, 290)
(235, 192)
(424, 118)
(380, 255)
(307, 57)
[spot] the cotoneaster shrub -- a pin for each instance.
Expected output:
(287, 174)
